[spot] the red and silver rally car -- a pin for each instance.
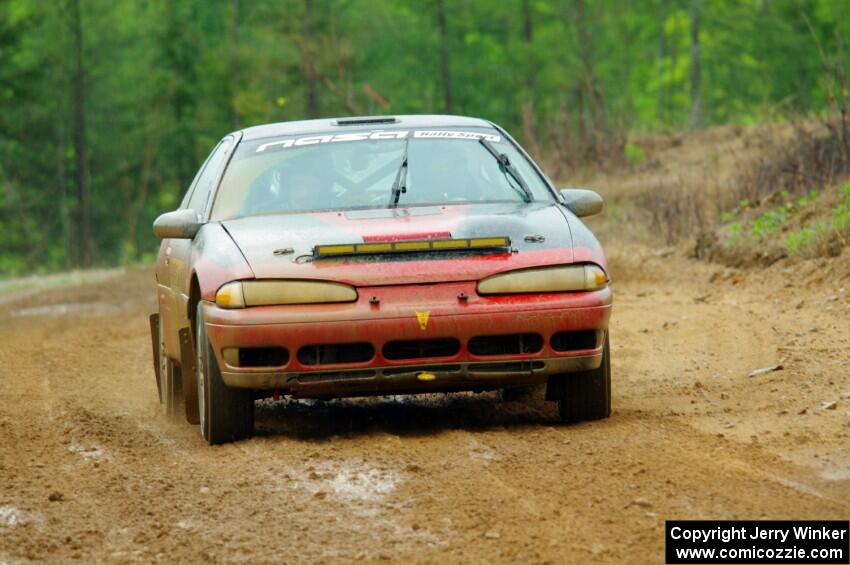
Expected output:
(371, 256)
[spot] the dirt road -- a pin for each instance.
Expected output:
(91, 471)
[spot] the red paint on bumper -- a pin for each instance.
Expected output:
(394, 318)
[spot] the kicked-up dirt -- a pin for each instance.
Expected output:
(91, 471)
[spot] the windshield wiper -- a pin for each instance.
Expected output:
(508, 168)
(400, 182)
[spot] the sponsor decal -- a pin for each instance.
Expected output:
(374, 135)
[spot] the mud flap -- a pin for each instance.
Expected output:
(187, 372)
(154, 319)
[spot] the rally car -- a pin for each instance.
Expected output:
(371, 256)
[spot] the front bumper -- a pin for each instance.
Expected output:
(393, 313)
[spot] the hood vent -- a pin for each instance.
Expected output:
(366, 121)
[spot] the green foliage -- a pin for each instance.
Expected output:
(163, 81)
(735, 233)
(798, 240)
(806, 237)
(807, 199)
(634, 154)
(841, 214)
(767, 223)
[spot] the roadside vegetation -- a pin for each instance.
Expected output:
(809, 225)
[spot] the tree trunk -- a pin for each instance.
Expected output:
(661, 100)
(61, 147)
(696, 66)
(85, 249)
(527, 23)
(445, 74)
(593, 107)
(309, 61)
(529, 128)
(234, 62)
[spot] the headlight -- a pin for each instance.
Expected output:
(239, 294)
(563, 278)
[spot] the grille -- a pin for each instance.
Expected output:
(419, 368)
(330, 354)
(421, 348)
(263, 356)
(320, 376)
(508, 344)
(508, 367)
(574, 341)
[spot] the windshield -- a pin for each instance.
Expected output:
(346, 171)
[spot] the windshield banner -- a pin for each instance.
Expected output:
(375, 135)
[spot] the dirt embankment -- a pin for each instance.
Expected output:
(90, 470)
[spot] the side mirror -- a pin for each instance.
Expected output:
(582, 202)
(179, 224)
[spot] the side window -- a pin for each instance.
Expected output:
(185, 203)
(206, 179)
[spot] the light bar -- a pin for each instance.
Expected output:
(416, 246)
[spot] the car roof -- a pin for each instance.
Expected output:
(359, 123)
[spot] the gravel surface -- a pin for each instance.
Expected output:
(91, 471)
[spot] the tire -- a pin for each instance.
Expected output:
(226, 414)
(587, 395)
(170, 393)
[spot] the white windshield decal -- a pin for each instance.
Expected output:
(470, 135)
(374, 135)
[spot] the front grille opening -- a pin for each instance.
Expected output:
(441, 369)
(574, 341)
(263, 356)
(323, 376)
(508, 344)
(421, 348)
(331, 354)
(509, 367)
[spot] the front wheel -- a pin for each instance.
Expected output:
(587, 395)
(226, 414)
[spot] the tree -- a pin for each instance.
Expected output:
(310, 61)
(696, 67)
(85, 242)
(445, 71)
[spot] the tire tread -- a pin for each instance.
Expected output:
(229, 411)
(586, 395)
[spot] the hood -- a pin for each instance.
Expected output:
(540, 235)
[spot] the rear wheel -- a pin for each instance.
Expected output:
(587, 395)
(170, 393)
(226, 414)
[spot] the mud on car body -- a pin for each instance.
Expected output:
(371, 256)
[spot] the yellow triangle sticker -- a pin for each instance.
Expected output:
(423, 319)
